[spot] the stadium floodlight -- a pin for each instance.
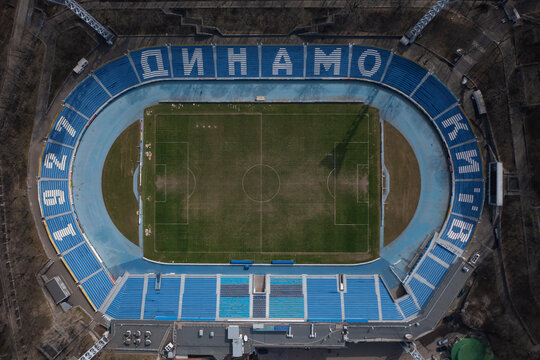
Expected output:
(411, 35)
(87, 18)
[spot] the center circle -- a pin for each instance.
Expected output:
(261, 183)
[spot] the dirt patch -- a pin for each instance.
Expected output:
(172, 183)
(363, 184)
(161, 182)
(405, 185)
(117, 183)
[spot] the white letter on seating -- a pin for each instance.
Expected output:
(362, 62)
(50, 160)
(240, 58)
(61, 234)
(278, 65)
(468, 157)
(53, 197)
(466, 198)
(456, 122)
(63, 123)
(334, 58)
(149, 73)
(189, 63)
(462, 230)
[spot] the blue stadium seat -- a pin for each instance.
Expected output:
(443, 254)
(54, 197)
(361, 303)
(434, 97)
(468, 198)
(404, 74)
(64, 232)
(286, 307)
(152, 63)
(199, 299)
(466, 162)
(323, 300)
(259, 306)
(458, 231)
(408, 307)
(234, 280)
(234, 306)
(289, 61)
(127, 303)
(389, 308)
(286, 297)
(68, 127)
(117, 75)
(55, 161)
(82, 261)
(327, 61)
(234, 297)
(244, 61)
(87, 97)
(199, 62)
(162, 302)
(368, 63)
(285, 280)
(97, 287)
(455, 127)
(234, 290)
(431, 270)
(421, 291)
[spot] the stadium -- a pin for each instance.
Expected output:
(131, 288)
(258, 189)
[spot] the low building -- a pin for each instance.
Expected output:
(57, 289)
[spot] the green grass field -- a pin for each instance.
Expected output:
(261, 182)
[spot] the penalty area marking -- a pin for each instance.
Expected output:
(368, 173)
(188, 195)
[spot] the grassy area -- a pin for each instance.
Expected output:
(402, 200)
(261, 182)
(117, 183)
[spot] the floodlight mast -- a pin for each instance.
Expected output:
(87, 18)
(411, 35)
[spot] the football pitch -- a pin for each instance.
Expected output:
(261, 182)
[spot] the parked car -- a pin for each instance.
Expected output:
(475, 258)
(442, 342)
